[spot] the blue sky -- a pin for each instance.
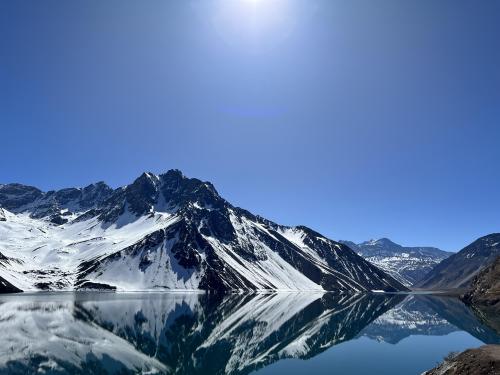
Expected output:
(360, 119)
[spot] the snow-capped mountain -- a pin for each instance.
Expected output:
(176, 333)
(408, 265)
(165, 232)
(459, 270)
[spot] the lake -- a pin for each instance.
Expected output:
(283, 333)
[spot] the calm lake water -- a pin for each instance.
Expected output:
(286, 333)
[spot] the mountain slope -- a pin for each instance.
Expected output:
(408, 265)
(166, 232)
(458, 270)
(6, 287)
(485, 287)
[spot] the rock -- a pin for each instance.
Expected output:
(485, 287)
(484, 295)
(482, 361)
(6, 287)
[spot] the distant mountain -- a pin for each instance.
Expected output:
(408, 265)
(165, 232)
(458, 270)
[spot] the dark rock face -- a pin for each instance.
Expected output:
(167, 192)
(482, 361)
(2, 215)
(458, 270)
(88, 286)
(6, 287)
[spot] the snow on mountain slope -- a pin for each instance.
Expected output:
(165, 232)
(408, 265)
(41, 255)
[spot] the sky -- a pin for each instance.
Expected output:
(359, 119)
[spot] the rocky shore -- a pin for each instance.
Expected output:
(481, 361)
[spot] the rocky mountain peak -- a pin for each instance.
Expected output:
(380, 243)
(167, 192)
(180, 190)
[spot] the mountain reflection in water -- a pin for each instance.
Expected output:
(207, 333)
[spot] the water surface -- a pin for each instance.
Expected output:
(173, 333)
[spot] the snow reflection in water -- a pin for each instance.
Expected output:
(172, 333)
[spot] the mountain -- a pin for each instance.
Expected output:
(458, 270)
(408, 265)
(177, 333)
(166, 232)
(484, 294)
(485, 287)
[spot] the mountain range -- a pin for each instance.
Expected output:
(165, 232)
(408, 265)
